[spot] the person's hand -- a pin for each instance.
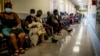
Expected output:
(56, 21)
(1, 35)
(14, 28)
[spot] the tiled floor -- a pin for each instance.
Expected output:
(78, 44)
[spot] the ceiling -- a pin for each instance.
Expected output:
(80, 4)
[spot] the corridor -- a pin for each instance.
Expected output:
(42, 27)
(76, 44)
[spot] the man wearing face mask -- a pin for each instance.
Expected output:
(29, 19)
(11, 26)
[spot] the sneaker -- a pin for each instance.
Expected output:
(70, 30)
(54, 40)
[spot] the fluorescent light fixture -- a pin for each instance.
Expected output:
(83, 8)
(76, 49)
(81, 4)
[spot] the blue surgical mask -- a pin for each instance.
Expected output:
(8, 10)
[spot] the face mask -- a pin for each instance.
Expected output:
(33, 15)
(8, 10)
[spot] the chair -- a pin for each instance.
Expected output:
(4, 46)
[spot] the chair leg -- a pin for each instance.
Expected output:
(9, 48)
(10, 51)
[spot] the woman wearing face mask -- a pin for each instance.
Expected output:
(12, 27)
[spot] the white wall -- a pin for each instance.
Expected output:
(69, 7)
(24, 6)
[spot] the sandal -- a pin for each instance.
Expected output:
(22, 51)
(16, 53)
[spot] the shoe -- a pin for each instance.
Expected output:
(22, 51)
(54, 40)
(16, 53)
(70, 30)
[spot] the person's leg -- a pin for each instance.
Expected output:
(65, 23)
(42, 37)
(12, 37)
(22, 40)
(13, 40)
(59, 28)
(64, 27)
(47, 30)
(55, 31)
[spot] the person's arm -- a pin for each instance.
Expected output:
(27, 19)
(18, 21)
(54, 20)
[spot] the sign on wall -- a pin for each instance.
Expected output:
(94, 2)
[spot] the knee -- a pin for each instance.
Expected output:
(21, 35)
(12, 35)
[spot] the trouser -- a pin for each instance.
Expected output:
(57, 28)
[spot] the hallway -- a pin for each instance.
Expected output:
(79, 44)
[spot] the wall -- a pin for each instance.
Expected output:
(23, 6)
(69, 7)
(94, 26)
(92, 15)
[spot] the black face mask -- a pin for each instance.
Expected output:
(38, 15)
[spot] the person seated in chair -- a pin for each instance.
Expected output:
(29, 19)
(55, 23)
(37, 28)
(12, 28)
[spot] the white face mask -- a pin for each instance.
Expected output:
(8, 10)
(33, 15)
